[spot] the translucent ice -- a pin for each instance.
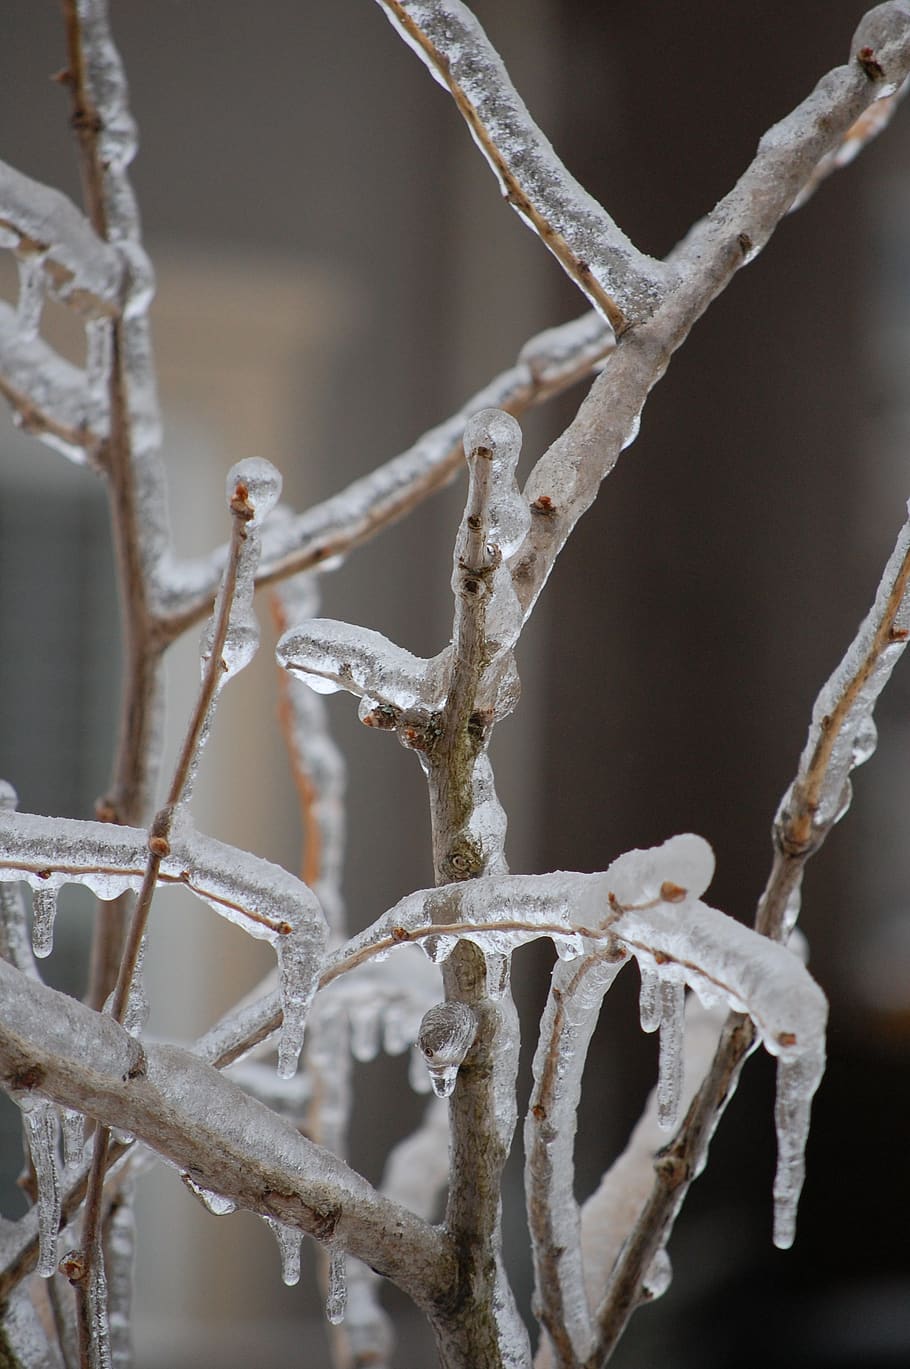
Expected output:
(44, 912)
(797, 1080)
(670, 1065)
(72, 1126)
(649, 1001)
(216, 1203)
(42, 1131)
(337, 1295)
(329, 655)
(31, 294)
(289, 1239)
(493, 436)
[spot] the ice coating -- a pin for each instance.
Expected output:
(567, 1025)
(446, 1035)
(329, 655)
(261, 482)
(42, 1131)
(39, 381)
(44, 913)
(337, 1294)
(459, 56)
(72, 1128)
(842, 731)
(82, 270)
(262, 898)
(289, 1239)
(495, 436)
(670, 1063)
(31, 294)
(99, 1356)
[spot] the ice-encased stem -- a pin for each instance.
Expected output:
(570, 1016)
(621, 282)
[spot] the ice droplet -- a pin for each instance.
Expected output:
(670, 1066)
(446, 1035)
(289, 1239)
(649, 999)
(44, 911)
(262, 482)
(41, 1129)
(216, 1203)
(337, 1296)
(659, 1276)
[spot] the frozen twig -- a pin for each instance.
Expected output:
(842, 735)
(621, 282)
(80, 269)
(46, 393)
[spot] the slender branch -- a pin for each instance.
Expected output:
(624, 284)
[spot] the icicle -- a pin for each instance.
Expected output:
(446, 1035)
(670, 1067)
(337, 1296)
(649, 1005)
(44, 911)
(289, 1239)
(329, 655)
(72, 1126)
(32, 281)
(216, 1203)
(365, 1032)
(98, 352)
(41, 1129)
(797, 1080)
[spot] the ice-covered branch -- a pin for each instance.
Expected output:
(198, 1120)
(40, 223)
(49, 396)
(263, 899)
(565, 480)
(869, 125)
(621, 282)
(842, 735)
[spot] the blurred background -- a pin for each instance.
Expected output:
(337, 273)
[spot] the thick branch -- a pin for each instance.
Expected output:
(201, 1122)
